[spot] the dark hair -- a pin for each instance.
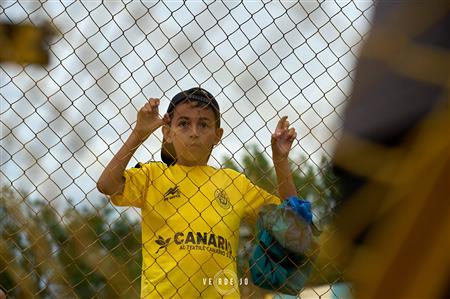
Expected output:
(201, 98)
(198, 95)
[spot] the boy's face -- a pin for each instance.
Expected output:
(193, 133)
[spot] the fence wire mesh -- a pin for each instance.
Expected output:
(62, 122)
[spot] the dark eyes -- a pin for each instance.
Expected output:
(185, 124)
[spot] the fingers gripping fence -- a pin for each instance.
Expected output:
(63, 122)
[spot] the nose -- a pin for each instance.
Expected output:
(194, 131)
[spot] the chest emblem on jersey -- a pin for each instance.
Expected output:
(172, 193)
(222, 198)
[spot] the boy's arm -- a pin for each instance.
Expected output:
(111, 180)
(282, 141)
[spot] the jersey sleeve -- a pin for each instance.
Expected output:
(255, 197)
(136, 184)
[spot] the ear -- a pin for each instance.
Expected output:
(166, 133)
(219, 134)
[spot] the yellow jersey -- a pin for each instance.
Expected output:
(190, 227)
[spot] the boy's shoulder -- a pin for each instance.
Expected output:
(157, 166)
(234, 174)
(151, 165)
(229, 171)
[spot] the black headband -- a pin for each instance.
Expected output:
(196, 94)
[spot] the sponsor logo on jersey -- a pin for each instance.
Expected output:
(172, 193)
(197, 241)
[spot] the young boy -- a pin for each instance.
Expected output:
(191, 212)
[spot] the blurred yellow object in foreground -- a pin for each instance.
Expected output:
(24, 44)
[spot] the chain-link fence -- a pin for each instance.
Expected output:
(62, 122)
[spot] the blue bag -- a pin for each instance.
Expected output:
(282, 258)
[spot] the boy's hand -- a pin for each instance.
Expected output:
(282, 140)
(148, 119)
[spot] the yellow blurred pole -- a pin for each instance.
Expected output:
(406, 252)
(24, 44)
